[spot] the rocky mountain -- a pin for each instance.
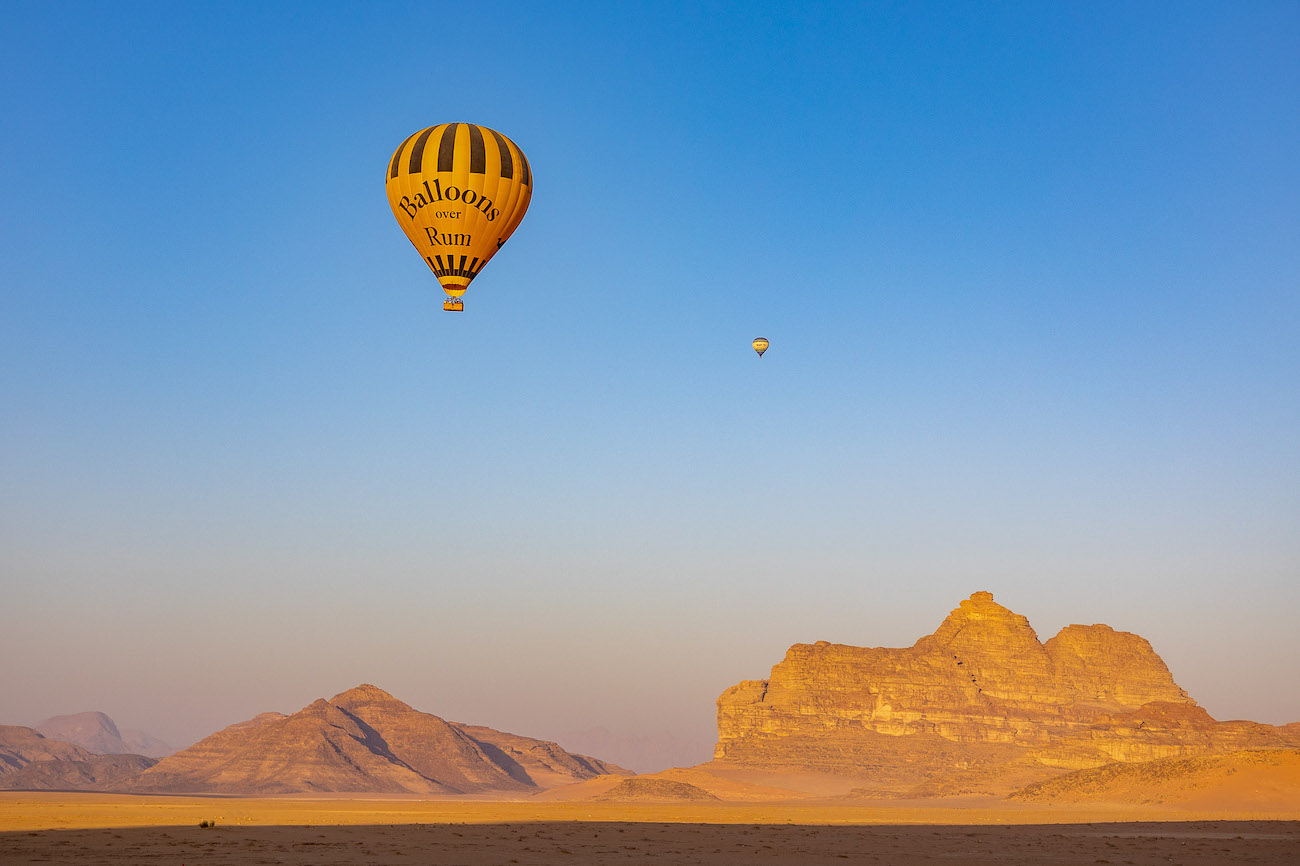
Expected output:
(364, 740)
(30, 761)
(978, 703)
(95, 732)
(20, 746)
(93, 773)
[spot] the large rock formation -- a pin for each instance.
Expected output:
(979, 699)
(97, 733)
(364, 740)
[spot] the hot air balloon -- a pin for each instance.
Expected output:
(458, 191)
(760, 345)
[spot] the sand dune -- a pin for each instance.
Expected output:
(646, 789)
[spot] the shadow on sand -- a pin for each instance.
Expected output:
(579, 842)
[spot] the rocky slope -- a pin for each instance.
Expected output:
(364, 740)
(1252, 778)
(93, 773)
(30, 761)
(979, 700)
(20, 746)
(96, 732)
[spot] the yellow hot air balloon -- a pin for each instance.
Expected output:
(458, 191)
(760, 345)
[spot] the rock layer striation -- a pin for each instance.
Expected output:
(978, 699)
(364, 740)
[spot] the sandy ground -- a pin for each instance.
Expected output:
(116, 829)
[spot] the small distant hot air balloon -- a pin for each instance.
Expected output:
(760, 345)
(458, 191)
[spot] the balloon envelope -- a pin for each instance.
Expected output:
(760, 345)
(458, 191)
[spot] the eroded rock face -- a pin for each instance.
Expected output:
(363, 740)
(981, 693)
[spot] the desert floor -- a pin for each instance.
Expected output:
(111, 828)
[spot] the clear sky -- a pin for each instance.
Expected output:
(1030, 272)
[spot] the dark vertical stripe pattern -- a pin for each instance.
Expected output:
(417, 150)
(446, 147)
(507, 162)
(397, 157)
(477, 156)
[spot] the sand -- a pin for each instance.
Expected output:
(114, 829)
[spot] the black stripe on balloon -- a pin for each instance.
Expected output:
(462, 262)
(528, 170)
(507, 162)
(441, 270)
(417, 151)
(397, 157)
(477, 156)
(446, 147)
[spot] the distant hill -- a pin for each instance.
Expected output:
(1250, 780)
(980, 706)
(653, 790)
(20, 746)
(30, 761)
(364, 740)
(96, 732)
(93, 773)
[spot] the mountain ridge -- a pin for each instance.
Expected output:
(981, 698)
(364, 740)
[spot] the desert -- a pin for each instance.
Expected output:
(977, 744)
(725, 432)
(112, 829)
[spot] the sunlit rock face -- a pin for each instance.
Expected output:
(979, 694)
(364, 741)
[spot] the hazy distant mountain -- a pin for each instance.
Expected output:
(642, 753)
(30, 761)
(95, 732)
(20, 746)
(364, 740)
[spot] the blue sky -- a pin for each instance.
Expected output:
(1030, 273)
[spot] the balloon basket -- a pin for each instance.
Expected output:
(453, 304)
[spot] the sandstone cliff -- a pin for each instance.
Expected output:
(981, 698)
(363, 740)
